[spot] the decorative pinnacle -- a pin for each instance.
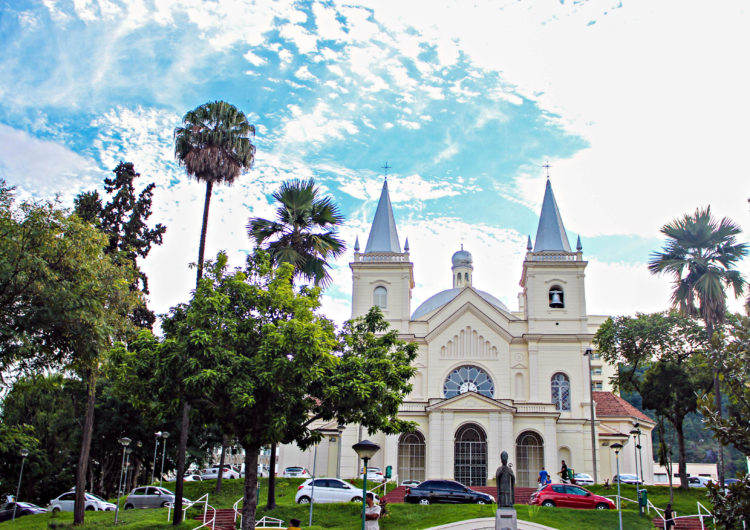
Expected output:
(406, 245)
(579, 247)
(528, 244)
(356, 244)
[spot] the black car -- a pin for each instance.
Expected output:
(24, 508)
(445, 491)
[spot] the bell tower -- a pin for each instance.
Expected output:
(553, 297)
(382, 275)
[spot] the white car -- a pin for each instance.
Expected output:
(296, 472)
(192, 478)
(698, 482)
(66, 501)
(328, 490)
(372, 476)
(411, 483)
(584, 479)
(213, 473)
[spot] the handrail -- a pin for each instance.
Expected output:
(236, 511)
(187, 505)
(700, 514)
(266, 520)
(213, 519)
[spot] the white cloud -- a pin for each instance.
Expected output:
(254, 59)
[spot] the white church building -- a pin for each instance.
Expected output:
(489, 378)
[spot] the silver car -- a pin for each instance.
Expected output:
(150, 497)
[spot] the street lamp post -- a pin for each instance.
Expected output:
(124, 442)
(24, 453)
(365, 450)
(589, 353)
(338, 462)
(164, 435)
(617, 446)
(634, 432)
(126, 482)
(156, 448)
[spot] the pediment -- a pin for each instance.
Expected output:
(478, 308)
(470, 401)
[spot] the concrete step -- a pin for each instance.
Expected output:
(690, 523)
(224, 519)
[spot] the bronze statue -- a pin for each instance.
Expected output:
(506, 483)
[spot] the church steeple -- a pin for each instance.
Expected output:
(550, 234)
(383, 234)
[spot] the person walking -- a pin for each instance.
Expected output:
(543, 479)
(668, 517)
(294, 524)
(564, 472)
(372, 513)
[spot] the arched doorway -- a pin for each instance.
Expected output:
(529, 458)
(470, 456)
(411, 449)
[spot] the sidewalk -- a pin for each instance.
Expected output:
(487, 523)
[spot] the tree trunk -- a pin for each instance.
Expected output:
(250, 498)
(204, 229)
(717, 404)
(83, 458)
(221, 462)
(182, 449)
(682, 458)
(271, 504)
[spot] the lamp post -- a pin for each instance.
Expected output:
(340, 428)
(128, 476)
(156, 448)
(24, 453)
(617, 446)
(124, 442)
(589, 353)
(634, 433)
(164, 435)
(365, 450)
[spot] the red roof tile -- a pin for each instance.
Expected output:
(608, 404)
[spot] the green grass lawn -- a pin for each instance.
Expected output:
(130, 520)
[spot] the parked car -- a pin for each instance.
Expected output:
(699, 482)
(192, 478)
(584, 479)
(445, 491)
(296, 472)
(65, 502)
(150, 497)
(22, 508)
(570, 496)
(373, 476)
(328, 490)
(213, 473)
(411, 483)
(625, 478)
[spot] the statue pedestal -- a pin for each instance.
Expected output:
(505, 519)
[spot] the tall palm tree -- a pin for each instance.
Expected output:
(214, 145)
(700, 254)
(305, 232)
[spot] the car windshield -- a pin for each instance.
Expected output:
(95, 497)
(294, 469)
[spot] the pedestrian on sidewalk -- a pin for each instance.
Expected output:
(668, 517)
(372, 513)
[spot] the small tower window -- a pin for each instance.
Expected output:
(561, 392)
(380, 296)
(466, 277)
(556, 297)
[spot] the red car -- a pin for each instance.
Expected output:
(569, 496)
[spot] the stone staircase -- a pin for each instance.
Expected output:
(690, 523)
(224, 519)
(522, 494)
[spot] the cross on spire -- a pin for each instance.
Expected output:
(547, 166)
(386, 167)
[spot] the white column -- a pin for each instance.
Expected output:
(494, 444)
(390, 454)
(434, 445)
(551, 461)
(448, 455)
(507, 437)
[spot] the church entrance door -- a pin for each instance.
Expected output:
(530, 457)
(470, 457)
(411, 449)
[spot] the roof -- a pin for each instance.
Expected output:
(550, 234)
(443, 297)
(608, 404)
(383, 235)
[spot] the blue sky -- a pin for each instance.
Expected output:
(641, 109)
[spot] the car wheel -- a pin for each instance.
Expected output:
(164, 504)
(90, 508)
(548, 504)
(602, 506)
(357, 499)
(304, 500)
(129, 506)
(424, 501)
(56, 509)
(481, 501)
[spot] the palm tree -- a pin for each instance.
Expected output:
(700, 254)
(214, 145)
(305, 233)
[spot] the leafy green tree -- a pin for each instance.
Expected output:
(124, 220)
(214, 145)
(305, 233)
(700, 255)
(661, 357)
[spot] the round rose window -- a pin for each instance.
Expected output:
(468, 379)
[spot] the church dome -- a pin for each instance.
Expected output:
(462, 258)
(444, 297)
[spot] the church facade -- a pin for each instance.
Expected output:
(489, 379)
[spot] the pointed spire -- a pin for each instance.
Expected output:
(356, 244)
(528, 244)
(550, 234)
(579, 247)
(383, 235)
(406, 245)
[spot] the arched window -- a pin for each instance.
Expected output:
(466, 276)
(556, 297)
(529, 458)
(380, 296)
(468, 379)
(561, 392)
(470, 455)
(411, 451)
